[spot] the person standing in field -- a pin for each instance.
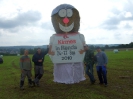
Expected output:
(101, 66)
(89, 63)
(26, 67)
(38, 59)
(1, 60)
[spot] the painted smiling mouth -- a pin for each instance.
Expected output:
(66, 29)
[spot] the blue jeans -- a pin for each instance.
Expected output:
(102, 74)
(89, 72)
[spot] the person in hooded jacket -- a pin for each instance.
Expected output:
(38, 59)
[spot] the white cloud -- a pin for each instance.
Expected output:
(128, 14)
(25, 22)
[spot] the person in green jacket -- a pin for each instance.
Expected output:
(25, 66)
(89, 62)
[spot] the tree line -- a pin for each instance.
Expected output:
(21, 51)
(130, 45)
(32, 51)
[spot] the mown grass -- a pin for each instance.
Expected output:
(120, 81)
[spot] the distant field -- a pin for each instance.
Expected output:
(120, 81)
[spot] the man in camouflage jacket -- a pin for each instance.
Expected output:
(89, 62)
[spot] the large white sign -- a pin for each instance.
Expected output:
(67, 49)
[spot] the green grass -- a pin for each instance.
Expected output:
(120, 64)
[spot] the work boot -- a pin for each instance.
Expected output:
(38, 85)
(30, 82)
(21, 85)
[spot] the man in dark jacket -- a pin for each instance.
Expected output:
(89, 62)
(38, 59)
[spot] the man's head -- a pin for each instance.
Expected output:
(98, 49)
(26, 52)
(38, 50)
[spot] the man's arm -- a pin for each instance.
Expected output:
(92, 57)
(45, 51)
(105, 59)
(50, 52)
(34, 58)
(21, 64)
(30, 64)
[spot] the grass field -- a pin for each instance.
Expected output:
(120, 81)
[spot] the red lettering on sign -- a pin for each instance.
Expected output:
(66, 41)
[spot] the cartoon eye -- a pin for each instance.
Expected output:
(62, 13)
(69, 12)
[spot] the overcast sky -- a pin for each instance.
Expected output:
(28, 22)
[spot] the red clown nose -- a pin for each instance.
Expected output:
(65, 20)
